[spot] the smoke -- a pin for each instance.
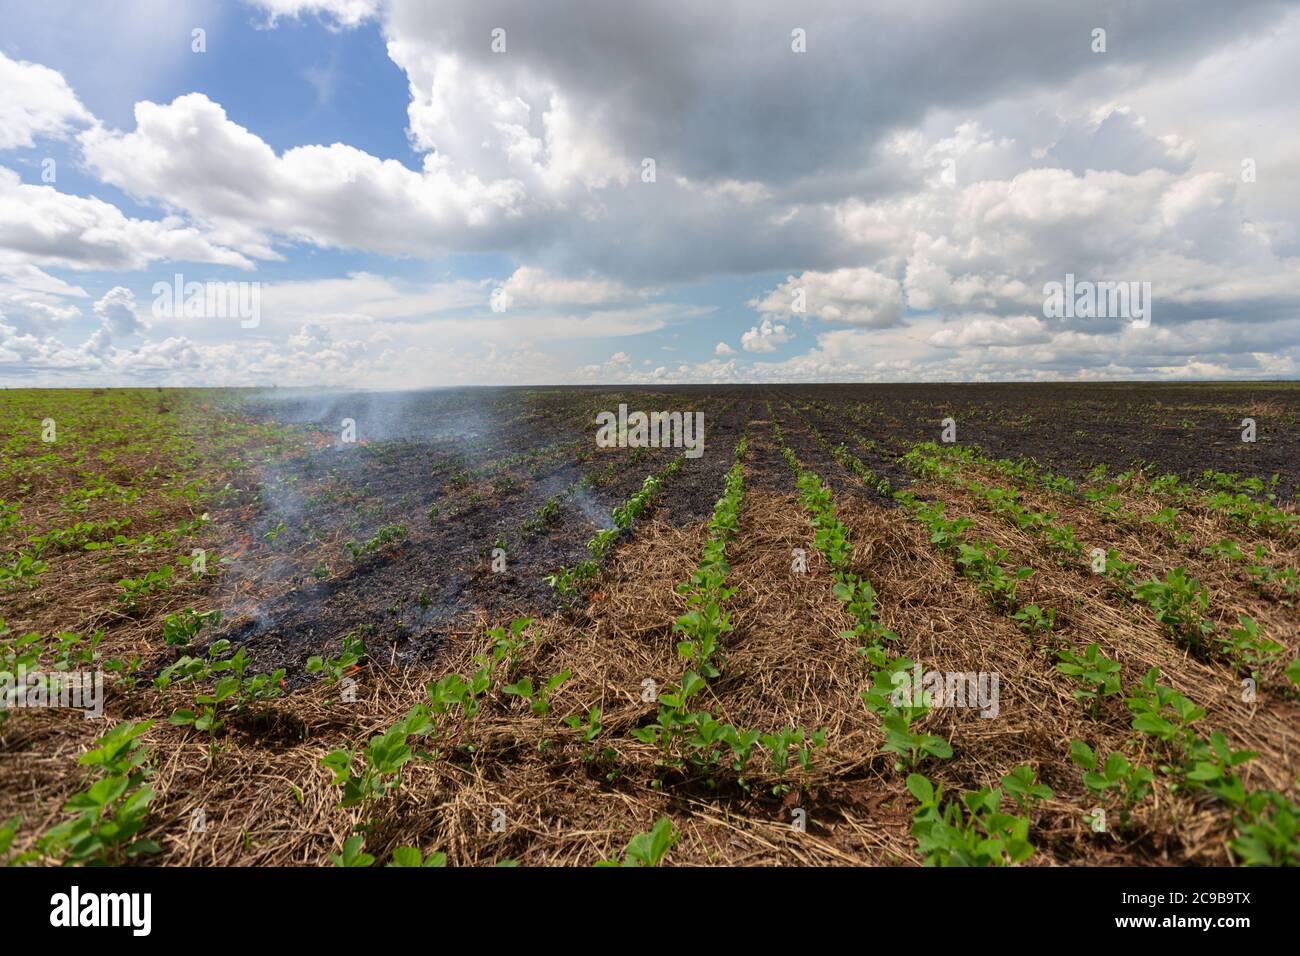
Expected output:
(594, 512)
(337, 427)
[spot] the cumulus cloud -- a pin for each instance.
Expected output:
(680, 81)
(118, 313)
(1115, 138)
(543, 146)
(311, 336)
(364, 298)
(530, 285)
(37, 102)
(853, 296)
(189, 155)
(765, 337)
(989, 330)
(50, 228)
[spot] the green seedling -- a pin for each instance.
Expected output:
(1099, 675)
(1225, 549)
(912, 746)
(1033, 618)
(353, 853)
(1166, 518)
(672, 710)
(1249, 649)
(107, 816)
(970, 831)
(1268, 831)
(333, 668)
(8, 832)
(648, 849)
(1114, 779)
(234, 686)
(538, 697)
(22, 571)
(134, 590)
(1209, 767)
(703, 627)
(601, 542)
(1180, 603)
(983, 563)
(180, 627)
(590, 728)
(1119, 570)
(780, 744)
(386, 535)
(566, 581)
(377, 771)
(1020, 783)
(1162, 712)
(410, 856)
(545, 516)
(1061, 537)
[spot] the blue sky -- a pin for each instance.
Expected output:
(861, 208)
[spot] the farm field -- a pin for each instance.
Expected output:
(448, 628)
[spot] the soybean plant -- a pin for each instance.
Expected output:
(1098, 675)
(109, 814)
(973, 830)
(648, 849)
(377, 770)
(1116, 779)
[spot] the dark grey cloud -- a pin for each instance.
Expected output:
(715, 92)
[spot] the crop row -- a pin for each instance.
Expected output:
(687, 738)
(697, 739)
(1179, 602)
(1265, 822)
(566, 582)
(972, 829)
(1102, 496)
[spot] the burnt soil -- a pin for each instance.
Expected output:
(414, 452)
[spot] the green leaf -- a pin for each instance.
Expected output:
(920, 787)
(406, 856)
(1116, 766)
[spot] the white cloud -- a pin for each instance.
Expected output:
(989, 330)
(188, 155)
(45, 227)
(365, 298)
(118, 313)
(37, 101)
(311, 336)
(345, 13)
(852, 296)
(837, 178)
(530, 285)
(765, 336)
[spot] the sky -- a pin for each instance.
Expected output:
(402, 194)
